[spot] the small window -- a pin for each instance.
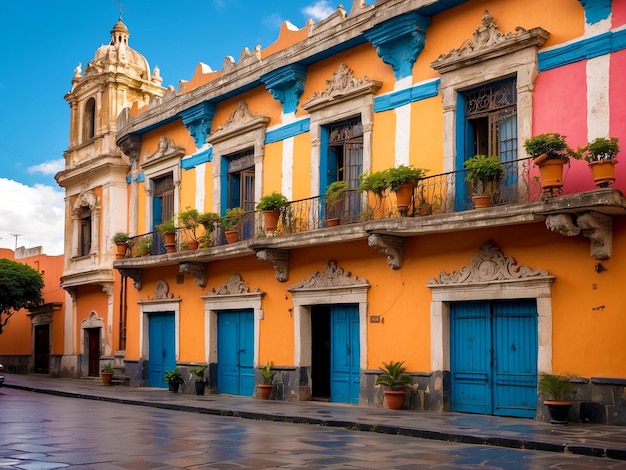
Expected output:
(241, 180)
(84, 242)
(89, 119)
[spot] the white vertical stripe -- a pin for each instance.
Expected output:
(598, 97)
(403, 125)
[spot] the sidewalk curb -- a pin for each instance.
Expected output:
(457, 437)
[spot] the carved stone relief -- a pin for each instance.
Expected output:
(488, 265)
(235, 286)
(332, 277)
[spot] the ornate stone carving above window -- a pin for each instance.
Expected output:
(235, 286)
(488, 43)
(161, 294)
(489, 265)
(342, 87)
(333, 277)
(240, 121)
(166, 150)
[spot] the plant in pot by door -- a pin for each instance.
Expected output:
(334, 198)
(200, 382)
(121, 244)
(272, 206)
(230, 223)
(107, 374)
(403, 180)
(168, 230)
(395, 378)
(549, 152)
(374, 183)
(264, 390)
(189, 220)
(484, 173)
(554, 388)
(174, 379)
(600, 154)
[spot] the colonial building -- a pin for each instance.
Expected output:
(477, 302)
(33, 340)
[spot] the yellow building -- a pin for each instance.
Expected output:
(477, 302)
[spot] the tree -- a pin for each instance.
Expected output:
(20, 287)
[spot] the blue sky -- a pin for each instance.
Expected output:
(42, 42)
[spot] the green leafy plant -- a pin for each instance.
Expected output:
(555, 387)
(208, 220)
(599, 149)
(484, 173)
(374, 183)
(231, 219)
(190, 221)
(266, 373)
(174, 377)
(272, 202)
(143, 246)
(120, 237)
(334, 196)
(396, 177)
(199, 372)
(169, 226)
(107, 368)
(552, 144)
(394, 376)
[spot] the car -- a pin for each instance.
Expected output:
(1, 375)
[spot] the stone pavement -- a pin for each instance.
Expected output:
(585, 439)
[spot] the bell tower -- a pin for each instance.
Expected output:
(94, 179)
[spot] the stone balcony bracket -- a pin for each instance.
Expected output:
(389, 245)
(596, 227)
(135, 274)
(279, 259)
(199, 271)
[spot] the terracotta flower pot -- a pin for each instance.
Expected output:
(270, 219)
(264, 391)
(169, 241)
(559, 410)
(482, 201)
(603, 172)
(120, 250)
(232, 236)
(394, 399)
(107, 377)
(332, 222)
(404, 195)
(551, 170)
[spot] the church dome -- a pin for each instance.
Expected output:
(118, 57)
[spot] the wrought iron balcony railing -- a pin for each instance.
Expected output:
(437, 194)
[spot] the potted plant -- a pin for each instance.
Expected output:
(200, 382)
(272, 205)
(174, 379)
(143, 246)
(189, 219)
(554, 388)
(484, 173)
(230, 223)
(403, 180)
(265, 389)
(107, 374)
(394, 377)
(168, 230)
(209, 221)
(121, 244)
(549, 152)
(334, 198)
(600, 154)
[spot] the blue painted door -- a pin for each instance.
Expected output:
(161, 348)
(493, 357)
(235, 352)
(345, 354)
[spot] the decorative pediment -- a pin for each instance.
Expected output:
(92, 321)
(489, 42)
(487, 266)
(343, 86)
(86, 198)
(240, 121)
(166, 149)
(235, 286)
(331, 278)
(162, 292)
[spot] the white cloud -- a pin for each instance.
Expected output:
(35, 212)
(319, 10)
(48, 168)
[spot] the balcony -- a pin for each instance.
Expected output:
(441, 203)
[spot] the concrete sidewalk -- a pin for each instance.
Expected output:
(586, 439)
